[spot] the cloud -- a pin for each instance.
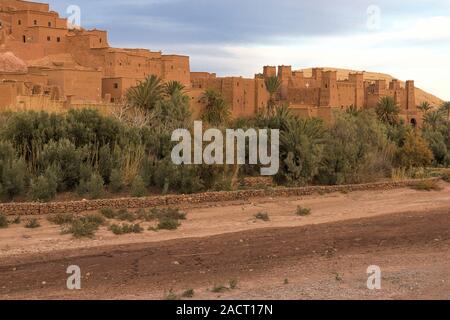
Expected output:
(236, 37)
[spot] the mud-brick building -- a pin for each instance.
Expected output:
(45, 61)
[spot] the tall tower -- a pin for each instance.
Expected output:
(358, 80)
(328, 89)
(410, 95)
(285, 75)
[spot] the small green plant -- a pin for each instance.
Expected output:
(95, 218)
(81, 228)
(3, 221)
(171, 295)
(125, 229)
(168, 224)
(262, 216)
(115, 181)
(426, 185)
(303, 212)
(61, 218)
(189, 293)
(138, 188)
(338, 277)
(233, 284)
(286, 281)
(219, 288)
(94, 187)
(108, 213)
(446, 175)
(125, 215)
(16, 220)
(32, 224)
(172, 213)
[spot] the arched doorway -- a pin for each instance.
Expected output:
(414, 122)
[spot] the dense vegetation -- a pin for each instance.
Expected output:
(44, 154)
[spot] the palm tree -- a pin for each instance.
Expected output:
(388, 111)
(146, 94)
(446, 108)
(352, 110)
(217, 111)
(425, 107)
(173, 88)
(433, 119)
(273, 85)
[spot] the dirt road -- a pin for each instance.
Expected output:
(322, 256)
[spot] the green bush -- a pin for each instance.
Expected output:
(168, 224)
(84, 227)
(108, 213)
(138, 188)
(264, 216)
(94, 187)
(32, 224)
(116, 181)
(125, 215)
(61, 218)
(303, 212)
(45, 187)
(3, 221)
(125, 229)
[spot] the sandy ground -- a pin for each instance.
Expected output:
(325, 255)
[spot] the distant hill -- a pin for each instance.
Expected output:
(421, 96)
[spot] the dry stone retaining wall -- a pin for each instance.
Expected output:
(180, 200)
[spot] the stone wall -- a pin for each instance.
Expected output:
(181, 200)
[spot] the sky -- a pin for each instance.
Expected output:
(409, 39)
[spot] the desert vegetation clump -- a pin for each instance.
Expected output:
(32, 224)
(303, 212)
(3, 221)
(426, 185)
(125, 228)
(264, 216)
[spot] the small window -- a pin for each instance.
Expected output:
(116, 86)
(24, 39)
(49, 24)
(19, 22)
(49, 38)
(58, 39)
(100, 40)
(35, 22)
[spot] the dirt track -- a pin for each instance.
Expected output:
(316, 259)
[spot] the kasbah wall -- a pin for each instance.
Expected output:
(43, 63)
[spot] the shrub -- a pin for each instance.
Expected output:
(95, 218)
(94, 186)
(168, 224)
(32, 224)
(16, 220)
(262, 216)
(44, 188)
(219, 289)
(138, 188)
(115, 181)
(446, 175)
(108, 213)
(61, 218)
(83, 227)
(233, 284)
(125, 215)
(303, 212)
(125, 228)
(426, 185)
(3, 221)
(171, 213)
(414, 153)
(188, 293)
(172, 296)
